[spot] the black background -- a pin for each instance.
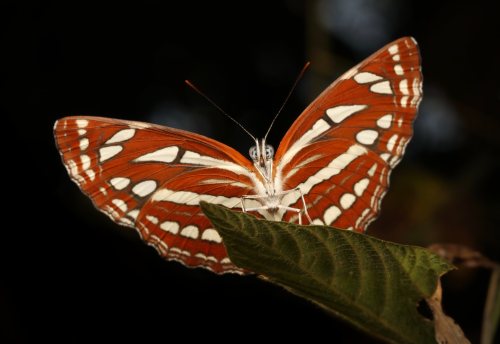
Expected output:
(69, 274)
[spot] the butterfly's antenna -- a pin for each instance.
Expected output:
(301, 74)
(190, 84)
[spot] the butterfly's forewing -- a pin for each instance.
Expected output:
(152, 178)
(342, 148)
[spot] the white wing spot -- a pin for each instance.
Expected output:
(133, 213)
(210, 258)
(144, 188)
(103, 191)
(179, 251)
(383, 174)
(394, 161)
(317, 129)
(346, 200)
(360, 186)
(73, 168)
(85, 162)
(371, 171)
(396, 57)
(385, 156)
(392, 142)
(82, 123)
(331, 214)
(383, 87)
(318, 222)
(400, 122)
(373, 201)
(91, 174)
(201, 256)
(403, 87)
(393, 49)
(211, 234)
(398, 69)
(126, 222)
(122, 135)
(416, 92)
(226, 182)
(404, 101)
(158, 244)
(362, 217)
(385, 121)
(170, 226)
(366, 77)
(225, 261)
(193, 158)
(81, 132)
(106, 153)
(367, 137)
(401, 146)
(339, 113)
(143, 231)
(167, 154)
(84, 144)
(190, 232)
(192, 198)
(111, 212)
(119, 183)
(120, 204)
(152, 219)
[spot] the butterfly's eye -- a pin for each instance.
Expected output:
(269, 152)
(253, 153)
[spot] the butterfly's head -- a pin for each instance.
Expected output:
(262, 156)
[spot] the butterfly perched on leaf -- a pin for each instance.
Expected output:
(331, 168)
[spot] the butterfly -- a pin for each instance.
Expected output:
(331, 168)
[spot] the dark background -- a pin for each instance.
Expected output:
(68, 274)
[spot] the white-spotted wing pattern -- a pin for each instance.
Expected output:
(335, 162)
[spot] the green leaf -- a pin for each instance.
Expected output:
(373, 284)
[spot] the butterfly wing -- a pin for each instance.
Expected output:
(341, 150)
(152, 178)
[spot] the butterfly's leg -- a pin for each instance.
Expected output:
(297, 210)
(304, 204)
(242, 201)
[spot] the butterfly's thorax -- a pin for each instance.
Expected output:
(268, 187)
(262, 155)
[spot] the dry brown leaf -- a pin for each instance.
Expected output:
(462, 256)
(447, 331)
(491, 309)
